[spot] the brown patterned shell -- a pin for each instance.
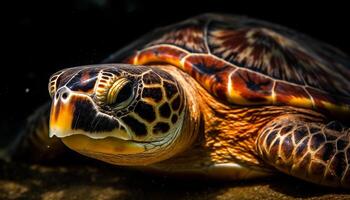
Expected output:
(250, 62)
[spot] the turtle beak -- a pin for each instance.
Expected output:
(62, 112)
(74, 113)
(72, 119)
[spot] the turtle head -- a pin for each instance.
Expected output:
(121, 114)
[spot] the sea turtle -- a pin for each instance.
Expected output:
(216, 95)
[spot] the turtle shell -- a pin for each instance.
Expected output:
(249, 62)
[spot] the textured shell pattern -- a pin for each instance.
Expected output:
(246, 61)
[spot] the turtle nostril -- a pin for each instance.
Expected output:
(64, 95)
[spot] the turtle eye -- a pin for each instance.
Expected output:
(120, 93)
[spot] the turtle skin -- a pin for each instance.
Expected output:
(247, 62)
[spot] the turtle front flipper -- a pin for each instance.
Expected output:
(313, 151)
(33, 143)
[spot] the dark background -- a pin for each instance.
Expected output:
(41, 37)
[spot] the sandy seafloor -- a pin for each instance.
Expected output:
(99, 181)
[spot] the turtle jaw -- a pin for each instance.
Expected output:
(106, 146)
(71, 120)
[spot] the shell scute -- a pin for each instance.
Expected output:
(251, 87)
(210, 72)
(188, 36)
(288, 94)
(158, 54)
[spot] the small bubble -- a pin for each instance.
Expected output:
(27, 90)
